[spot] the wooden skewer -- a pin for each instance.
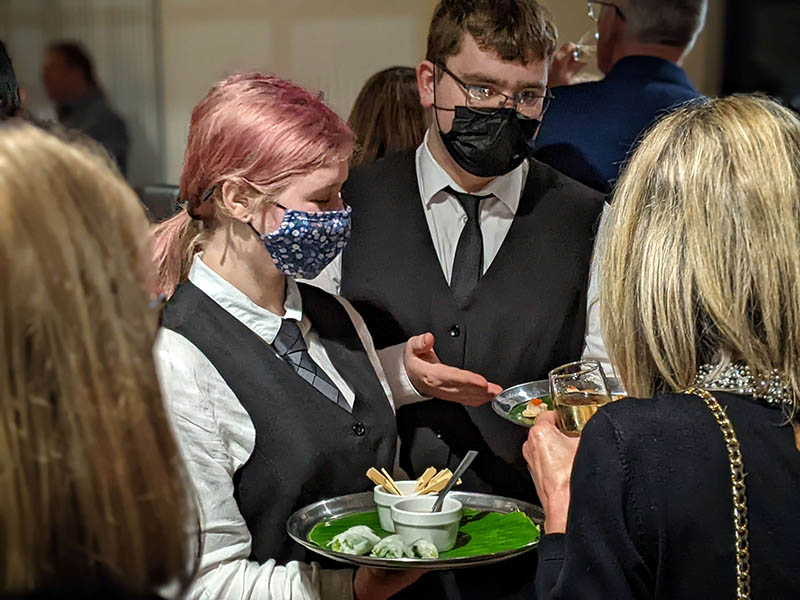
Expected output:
(434, 487)
(394, 489)
(423, 479)
(437, 482)
(376, 477)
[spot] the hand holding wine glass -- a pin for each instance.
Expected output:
(565, 66)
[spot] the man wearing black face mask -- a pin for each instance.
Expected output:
(470, 238)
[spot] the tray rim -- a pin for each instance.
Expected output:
(507, 414)
(364, 501)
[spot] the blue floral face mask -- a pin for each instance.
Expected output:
(306, 243)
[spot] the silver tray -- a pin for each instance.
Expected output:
(303, 521)
(507, 400)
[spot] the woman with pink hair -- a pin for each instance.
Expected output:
(278, 395)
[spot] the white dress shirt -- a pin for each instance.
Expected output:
(594, 348)
(217, 437)
(446, 219)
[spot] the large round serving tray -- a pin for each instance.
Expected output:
(303, 521)
(510, 403)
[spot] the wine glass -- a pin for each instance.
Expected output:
(578, 389)
(586, 46)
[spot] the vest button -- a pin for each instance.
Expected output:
(359, 429)
(455, 331)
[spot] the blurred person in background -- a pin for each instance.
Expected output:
(10, 101)
(387, 116)
(592, 127)
(94, 499)
(69, 78)
(701, 315)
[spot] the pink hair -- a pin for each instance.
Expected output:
(252, 129)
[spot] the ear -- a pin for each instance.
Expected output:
(236, 202)
(425, 83)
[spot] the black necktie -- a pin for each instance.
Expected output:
(468, 260)
(290, 346)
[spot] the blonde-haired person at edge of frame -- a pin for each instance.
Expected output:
(700, 307)
(94, 499)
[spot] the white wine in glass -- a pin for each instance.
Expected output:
(578, 389)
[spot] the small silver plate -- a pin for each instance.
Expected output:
(509, 399)
(303, 521)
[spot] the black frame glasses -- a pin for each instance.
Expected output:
(595, 15)
(478, 97)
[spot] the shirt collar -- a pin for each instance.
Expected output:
(263, 322)
(650, 69)
(507, 188)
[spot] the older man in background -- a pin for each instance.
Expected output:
(591, 127)
(68, 76)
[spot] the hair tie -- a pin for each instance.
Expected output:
(182, 205)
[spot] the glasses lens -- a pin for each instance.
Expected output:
(533, 107)
(485, 101)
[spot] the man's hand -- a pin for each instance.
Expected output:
(564, 67)
(432, 378)
(380, 584)
(550, 454)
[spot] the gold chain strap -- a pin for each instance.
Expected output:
(740, 521)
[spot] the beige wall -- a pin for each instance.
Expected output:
(704, 63)
(332, 46)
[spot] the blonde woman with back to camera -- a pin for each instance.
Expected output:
(700, 302)
(93, 496)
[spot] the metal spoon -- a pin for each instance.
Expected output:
(462, 466)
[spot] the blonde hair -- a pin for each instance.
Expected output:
(701, 260)
(91, 485)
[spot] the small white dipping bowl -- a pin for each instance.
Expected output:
(413, 520)
(384, 501)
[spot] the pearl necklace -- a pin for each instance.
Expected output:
(738, 379)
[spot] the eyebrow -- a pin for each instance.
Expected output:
(328, 189)
(538, 85)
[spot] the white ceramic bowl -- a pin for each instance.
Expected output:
(413, 520)
(384, 501)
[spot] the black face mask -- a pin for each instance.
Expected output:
(489, 145)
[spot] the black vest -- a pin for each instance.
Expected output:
(307, 448)
(526, 315)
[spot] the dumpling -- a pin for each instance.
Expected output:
(356, 540)
(424, 549)
(392, 547)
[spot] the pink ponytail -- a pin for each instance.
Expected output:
(173, 249)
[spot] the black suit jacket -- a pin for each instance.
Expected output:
(590, 128)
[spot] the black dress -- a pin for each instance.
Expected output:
(651, 505)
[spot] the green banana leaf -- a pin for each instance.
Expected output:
(480, 533)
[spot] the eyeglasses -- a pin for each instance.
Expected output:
(594, 11)
(485, 99)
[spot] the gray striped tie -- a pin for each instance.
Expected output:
(290, 345)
